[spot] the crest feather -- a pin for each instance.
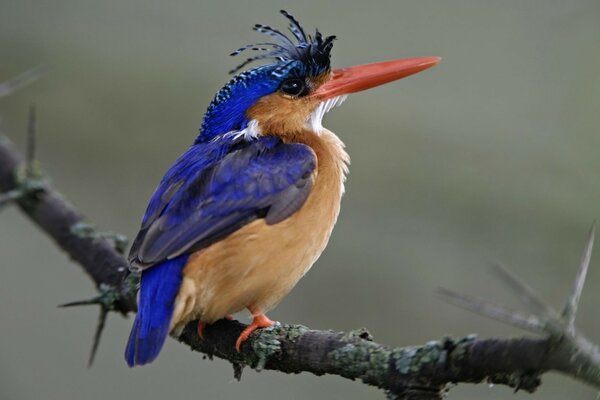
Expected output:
(313, 52)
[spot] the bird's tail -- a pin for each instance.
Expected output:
(158, 290)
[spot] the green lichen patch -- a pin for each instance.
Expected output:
(109, 296)
(294, 332)
(460, 347)
(30, 184)
(266, 345)
(365, 359)
(403, 357)
(86, 230)
(360, 333)
(410, 360)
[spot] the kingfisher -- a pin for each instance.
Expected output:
(246, 211)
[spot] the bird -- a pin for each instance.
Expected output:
(245, 212)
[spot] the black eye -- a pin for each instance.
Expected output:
(293, 87)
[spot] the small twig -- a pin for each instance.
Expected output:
(570, 309)
(12, 85)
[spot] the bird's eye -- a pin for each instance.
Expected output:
(293, 87)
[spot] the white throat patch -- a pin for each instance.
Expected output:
(316, 117)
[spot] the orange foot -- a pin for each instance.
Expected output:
(202, 326)
(259, 321)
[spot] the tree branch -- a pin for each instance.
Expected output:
(417, 372)
(60, 220)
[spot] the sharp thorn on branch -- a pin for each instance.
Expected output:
(107, 301)
(89, 302)
(108, 297)
(12, 85)
(98, 334)
(526, 294)
(493, 311)
(570, 310)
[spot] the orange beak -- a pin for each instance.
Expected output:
(361, 77)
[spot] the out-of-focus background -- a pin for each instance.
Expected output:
(494, 155)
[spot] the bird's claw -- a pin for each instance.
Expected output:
(259, 321)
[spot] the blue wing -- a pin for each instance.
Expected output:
(212, 190)
(217, 187)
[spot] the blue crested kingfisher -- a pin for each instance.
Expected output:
(244, 213)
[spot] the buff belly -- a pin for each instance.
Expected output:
(257, 265)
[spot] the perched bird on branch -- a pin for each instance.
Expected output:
(244, 213)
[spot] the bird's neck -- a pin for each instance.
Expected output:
(332, 159)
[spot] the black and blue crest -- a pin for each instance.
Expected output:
(307, 56)
(313, 54)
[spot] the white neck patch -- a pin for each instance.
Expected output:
(315, 120)
(251, 131)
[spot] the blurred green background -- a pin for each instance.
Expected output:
(492, 155)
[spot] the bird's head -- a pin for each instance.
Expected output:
(297, 88)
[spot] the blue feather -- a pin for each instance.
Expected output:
(227, 111)
(217, 187)
(159, 287)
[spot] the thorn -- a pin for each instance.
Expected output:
(29, 183)
(570, 311)
(481, 307)
(31, 142)
(98, 334)
(107, 301)
(526, 294)
(89, 302)
(12, 85)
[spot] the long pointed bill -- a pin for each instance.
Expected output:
(361, 77)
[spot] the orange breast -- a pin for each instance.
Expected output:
(259, 264)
